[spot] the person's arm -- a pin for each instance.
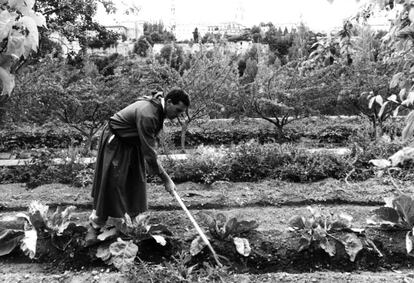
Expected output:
(146, 127)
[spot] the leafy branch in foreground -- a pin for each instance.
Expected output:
(330, 233)
(225, 230)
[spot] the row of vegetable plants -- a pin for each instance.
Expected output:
(44, 235)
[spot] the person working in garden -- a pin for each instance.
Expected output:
(126, 145)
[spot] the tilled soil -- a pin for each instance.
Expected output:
(275, 249)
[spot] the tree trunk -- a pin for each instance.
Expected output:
(380, 129)
(3, 106)
(374, 128)
(184, 128)
(279, 132)
(88, 144)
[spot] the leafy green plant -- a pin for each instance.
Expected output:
(397, 213)
(39, 222)
(128, 234)
(226, 230)
(120, 253)
(25, 238)
(321, 232)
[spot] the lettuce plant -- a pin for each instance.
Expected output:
(397, 213)
(120, 238)
(38, 222)
(225, 229)
(321, 231)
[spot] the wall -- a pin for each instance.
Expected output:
(126, 48)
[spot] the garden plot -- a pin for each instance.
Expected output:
(274, 244)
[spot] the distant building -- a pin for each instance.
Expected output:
(135, 29)
(118, 29)
(132, 30)
(185, 31)
(229, 28)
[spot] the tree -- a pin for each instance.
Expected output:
(103, 38)
(302, 41)
(79, 97)
(398, 52)
(19, 36)
(106, 65)
(20, 21)
(283, 94)
(156, 33)
(361, 82)
(210, 80)
(142, 46)
(256, 34)
(73, 19)
(172, 55)
(251, 59)
(278, 44)
(210, 37)
(87, 102)
(195, 35)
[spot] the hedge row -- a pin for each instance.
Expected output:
(210, 133)
(249, 161)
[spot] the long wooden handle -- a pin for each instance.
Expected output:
(200, 232)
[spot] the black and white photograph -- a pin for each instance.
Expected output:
(232, 141)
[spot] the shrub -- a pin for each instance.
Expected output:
(311, 167)
(43, 168)
(205, 164)
(371, 150)
(335, 134)
(248, 161)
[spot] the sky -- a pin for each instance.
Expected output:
(319, 15)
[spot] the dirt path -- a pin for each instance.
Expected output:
(22, 273)
(218, 195)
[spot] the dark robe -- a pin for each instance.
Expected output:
(126, 143)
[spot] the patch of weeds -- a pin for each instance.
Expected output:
(177, 271)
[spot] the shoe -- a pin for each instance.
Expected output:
(91, 237)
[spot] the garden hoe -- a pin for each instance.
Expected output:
(200, 232)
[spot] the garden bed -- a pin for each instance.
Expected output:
(270, 203)
(273, 250)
